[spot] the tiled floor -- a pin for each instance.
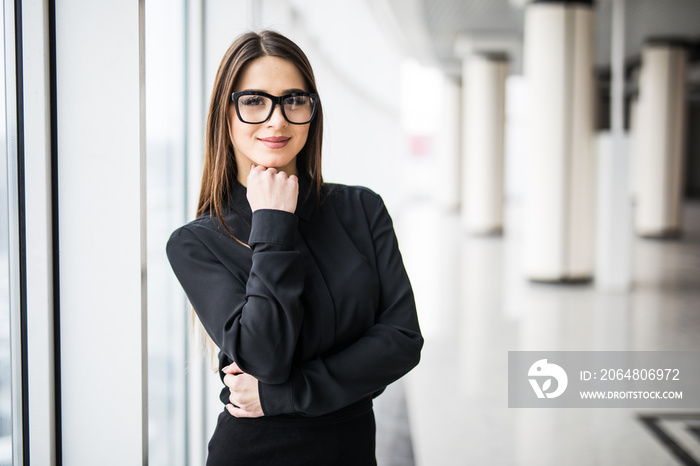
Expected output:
(475, 306)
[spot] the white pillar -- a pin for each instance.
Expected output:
(559, 190)
(614, 218)
(448, 144)
(484, 120)
(660, 133)
(100, 93)
(633, 142)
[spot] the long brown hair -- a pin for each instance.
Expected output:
(220, 170)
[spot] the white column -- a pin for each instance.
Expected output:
(448, 144)
(633, 163)
(484, 120)
(102, 231)
(614, 218)
(660, 133)
(559, 187)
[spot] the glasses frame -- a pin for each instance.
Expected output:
(276, 100)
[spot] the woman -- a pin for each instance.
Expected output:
(299, 283)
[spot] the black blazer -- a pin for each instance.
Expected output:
(319, 309)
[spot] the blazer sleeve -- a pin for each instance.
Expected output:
(254, 319)
(386, 352)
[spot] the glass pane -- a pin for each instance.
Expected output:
(5, 365)
(167, 316)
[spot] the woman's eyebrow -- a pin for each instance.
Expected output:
(285, 92)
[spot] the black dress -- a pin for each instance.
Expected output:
(319, 309)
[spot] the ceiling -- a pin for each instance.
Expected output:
(431, 29)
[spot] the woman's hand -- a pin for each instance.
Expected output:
(244, 398)
(269, 188)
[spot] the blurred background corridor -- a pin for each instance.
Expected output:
(540, 160)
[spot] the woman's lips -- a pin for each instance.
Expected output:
(274, 142)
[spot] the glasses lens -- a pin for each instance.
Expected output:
(254, 108)
(298, 108)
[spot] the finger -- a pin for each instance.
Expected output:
(229, 380)
(255, 170)
(232, 369)
(232, 409)
(238, 412)
(251, 175)
(237, 402)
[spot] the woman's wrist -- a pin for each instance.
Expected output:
(273, 227)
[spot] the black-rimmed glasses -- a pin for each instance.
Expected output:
(255, 107)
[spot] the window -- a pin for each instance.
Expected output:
(10, 349)
(5, 362)
(167, 316)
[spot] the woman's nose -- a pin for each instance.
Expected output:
(277, 118)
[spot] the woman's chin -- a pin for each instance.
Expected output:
(282, 165)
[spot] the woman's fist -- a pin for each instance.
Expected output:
(245, 397)
(269, 188)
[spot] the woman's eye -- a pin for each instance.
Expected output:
(296, 100)
(252, 101)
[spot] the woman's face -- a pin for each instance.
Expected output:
(276, 142)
